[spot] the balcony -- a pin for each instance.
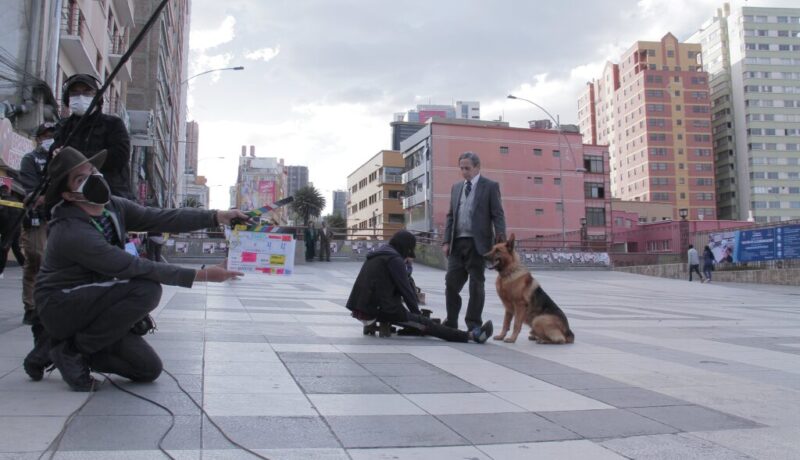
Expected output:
(117, 45)
(417, 171)
(414, 199)
(390, 179)
(73, 33)
(124, 10)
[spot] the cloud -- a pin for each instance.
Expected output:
(263, 54)
(204, 39)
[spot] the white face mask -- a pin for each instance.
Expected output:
(47, 143)
(79, 104)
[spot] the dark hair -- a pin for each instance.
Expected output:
(472, 156)
(691, 246)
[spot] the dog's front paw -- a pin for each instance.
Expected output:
(510, 340)
(499, 337)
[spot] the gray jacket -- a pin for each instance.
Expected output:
(488, 218)
(77, 253)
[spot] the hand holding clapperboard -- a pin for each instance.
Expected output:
(258, 248)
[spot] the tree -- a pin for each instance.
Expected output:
(335, 221)
(308, 202)
(192, 202)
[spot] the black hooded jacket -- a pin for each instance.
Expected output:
(381, 285)
(100, 132)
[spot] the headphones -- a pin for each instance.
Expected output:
(88, 80)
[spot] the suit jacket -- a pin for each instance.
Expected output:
(488, 218)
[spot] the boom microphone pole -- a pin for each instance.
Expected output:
(30, 200)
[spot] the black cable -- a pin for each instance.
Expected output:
(57, 441)
(203, 411)
(172, 414)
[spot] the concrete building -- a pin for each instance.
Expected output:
(375, 188)
(752, 55)
(653, 111)
(260, 181)
(402, 130)
(159, 68)
(297, 178)
(468, 110)
(192, 145)
(196, 192)
(340, 203)
(549, 182)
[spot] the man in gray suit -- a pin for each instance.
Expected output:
(475, 222)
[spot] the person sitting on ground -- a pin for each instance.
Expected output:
(383, 284)
(90, 293)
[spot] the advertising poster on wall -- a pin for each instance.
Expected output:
(755, 245)
(265, 253)
(788, 242)
(722, 245)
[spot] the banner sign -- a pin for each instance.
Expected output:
(256, 252)
(772, 243)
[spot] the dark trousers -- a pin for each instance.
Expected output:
(33, 240)
(324, 250)
(98, 319)
(427, 327)
(464, 262)
(153, 251)
(695, 269)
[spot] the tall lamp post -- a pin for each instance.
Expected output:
(170, 179)
(560, 164)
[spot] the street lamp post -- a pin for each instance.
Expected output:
(560, 163)
(374, 225)
(238, 67)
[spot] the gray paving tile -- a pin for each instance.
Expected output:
(111, 401)
(269, 432)
(393, 431)
(631, 397)
(671, 446)
(384, 358)
(695, 418)
(313, 357)
(607, 423)
(506, 427)
(240, 338)
(444, 383)
(581, 381)
(403, 369)
(343, 385)
(326, 369)
(116, 432)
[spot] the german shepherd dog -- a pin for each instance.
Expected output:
(525, 300)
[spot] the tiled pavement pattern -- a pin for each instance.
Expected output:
(661, 369)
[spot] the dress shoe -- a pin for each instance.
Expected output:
(73, 367)
(482, 334)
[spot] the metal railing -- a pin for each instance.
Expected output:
(73, 22)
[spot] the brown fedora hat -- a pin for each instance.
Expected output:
(60, 166)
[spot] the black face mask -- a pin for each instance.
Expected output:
(95, 189)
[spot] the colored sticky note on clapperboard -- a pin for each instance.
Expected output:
(277, 259)
(249, 256)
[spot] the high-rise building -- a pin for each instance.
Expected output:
(297, 178)
(340, 203)
(752, 55)
(260, 181)
(192, 144)
(653, 111)
(159, 67)
(468, 110)
(402, 130)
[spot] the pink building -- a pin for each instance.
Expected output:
(549, 182)
(653, 111)
(664, 236)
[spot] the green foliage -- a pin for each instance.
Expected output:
(308, 203)
(335, 221)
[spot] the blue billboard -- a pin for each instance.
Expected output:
(772, 243)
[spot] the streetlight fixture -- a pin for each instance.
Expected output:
(374, 225)
(560, 163)
(684, 213)
(238, 67)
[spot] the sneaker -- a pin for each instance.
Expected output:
(482, 334)
(73, 367)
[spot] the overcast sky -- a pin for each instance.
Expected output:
(322, 78)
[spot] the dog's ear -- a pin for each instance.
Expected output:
(510, 243)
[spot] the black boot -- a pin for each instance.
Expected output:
(73, 367)
(39, 358)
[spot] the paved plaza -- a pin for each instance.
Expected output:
(660, 369)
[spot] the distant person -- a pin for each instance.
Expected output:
(9, 236)
(475, 222)
(310, 237)
(694, 262)
(325, 235)
(708, 263)
(99, 132)
(384, 283)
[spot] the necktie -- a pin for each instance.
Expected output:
(467, 188)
